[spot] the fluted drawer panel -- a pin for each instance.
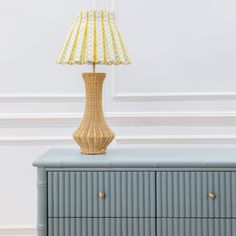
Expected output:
(101, 227)
(75, 194)
(195, 227)
(185, 194)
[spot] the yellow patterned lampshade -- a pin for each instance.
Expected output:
(94, 38)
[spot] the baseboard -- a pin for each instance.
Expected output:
(15, 230)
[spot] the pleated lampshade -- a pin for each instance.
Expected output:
(94, 38)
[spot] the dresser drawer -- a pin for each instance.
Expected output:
(186, 194)
(76, 194)
(101, 227)
(195, 227)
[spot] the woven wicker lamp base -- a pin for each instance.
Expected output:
(94, 134)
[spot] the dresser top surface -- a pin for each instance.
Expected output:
(140, 158)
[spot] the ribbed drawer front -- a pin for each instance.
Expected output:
(185, 194)
(101, 227)
(195, 227)
(75, 194)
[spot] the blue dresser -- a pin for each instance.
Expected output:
(137, 192)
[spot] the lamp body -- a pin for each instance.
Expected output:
(93, 134)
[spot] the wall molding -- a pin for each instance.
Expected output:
(177, 139)
(165, 96)
(17, 230)
(126, 118)
(130, 96)
(134, 97)
(41, 97)
(173, 96)
(36, 140)
(124, 139)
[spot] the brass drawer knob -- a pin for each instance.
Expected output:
(101, 195)
(212, 195)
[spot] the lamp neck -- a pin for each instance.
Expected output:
(94, 65)
(93, 87)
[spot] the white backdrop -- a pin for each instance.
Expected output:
(179, 91)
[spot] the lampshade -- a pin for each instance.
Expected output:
(94, 38)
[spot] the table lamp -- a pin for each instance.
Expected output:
(93, 39)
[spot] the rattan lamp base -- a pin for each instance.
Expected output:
(94, 134)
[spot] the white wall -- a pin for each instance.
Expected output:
(179, 91)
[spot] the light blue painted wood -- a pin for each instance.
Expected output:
(195, 227)
(95, 227)
(228, 194)
(163, 195)
(78, 194)
(118, 226)
(84, 196)
(67, 226)
(55, 228)
(185, 194)
(122, 194)
(118, 192)
(205, 200)
(67, 195)
(95, 197)
(140, 192)
(222, 194)
(112, 224)
(55, 194)
(141, 158)
(152, 182)
(101, 188)
(61, 194)
(149, 192)
(51, 222)
(73, 226)
(111, 194)
(193, 192)
(90, 194)
(198, 194)
(217, 230)
(216, 188)
(159, 194)
(233, 181)
(42, 226)
(61, 227)
(211, 203)
(182, 190)
(170, 199)
(72, 195)
(84, 226)
(136, 194)
(49, 191)
(90, 227)
(130, 195)
(173, 201)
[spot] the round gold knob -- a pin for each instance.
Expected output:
(101, 195)
(212, 195)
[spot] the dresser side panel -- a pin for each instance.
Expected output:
(41, 202)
